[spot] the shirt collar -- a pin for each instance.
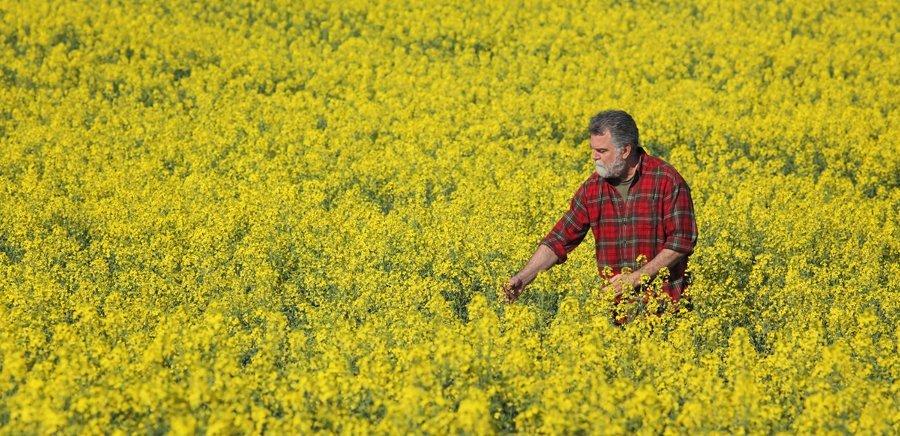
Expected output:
(637, 171)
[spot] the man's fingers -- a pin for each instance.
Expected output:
(507, 292)
(614, 288)
(511, 291)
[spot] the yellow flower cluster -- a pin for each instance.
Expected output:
(282, 216)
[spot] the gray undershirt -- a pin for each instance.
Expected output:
(622, 186)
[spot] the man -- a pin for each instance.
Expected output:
(635, 204)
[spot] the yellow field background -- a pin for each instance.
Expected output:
(278, 216)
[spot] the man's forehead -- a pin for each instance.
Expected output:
(601, 140)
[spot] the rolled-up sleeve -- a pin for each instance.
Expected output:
(570, 230)
(678, 219)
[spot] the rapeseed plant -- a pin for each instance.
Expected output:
(293, 217)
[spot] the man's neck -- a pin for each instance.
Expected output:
(631, 166)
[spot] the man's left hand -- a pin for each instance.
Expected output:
(621, 283)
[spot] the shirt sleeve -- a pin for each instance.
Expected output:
(678, 219)
(570, 230)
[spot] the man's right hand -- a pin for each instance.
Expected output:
(513, 288)
(542, 259)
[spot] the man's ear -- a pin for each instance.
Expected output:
(628, 149)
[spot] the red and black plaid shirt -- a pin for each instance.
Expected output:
(658, 214)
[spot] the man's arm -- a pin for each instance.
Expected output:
(567, 234)
(665, 258)
(542, 259)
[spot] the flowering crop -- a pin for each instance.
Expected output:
(280, 216)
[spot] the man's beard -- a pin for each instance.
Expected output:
(616, 172)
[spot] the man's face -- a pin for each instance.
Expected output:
(608, 162)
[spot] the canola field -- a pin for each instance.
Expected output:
(289, 217)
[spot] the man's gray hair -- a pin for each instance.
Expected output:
(619, 124)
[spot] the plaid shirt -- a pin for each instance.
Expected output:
(658, 214)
